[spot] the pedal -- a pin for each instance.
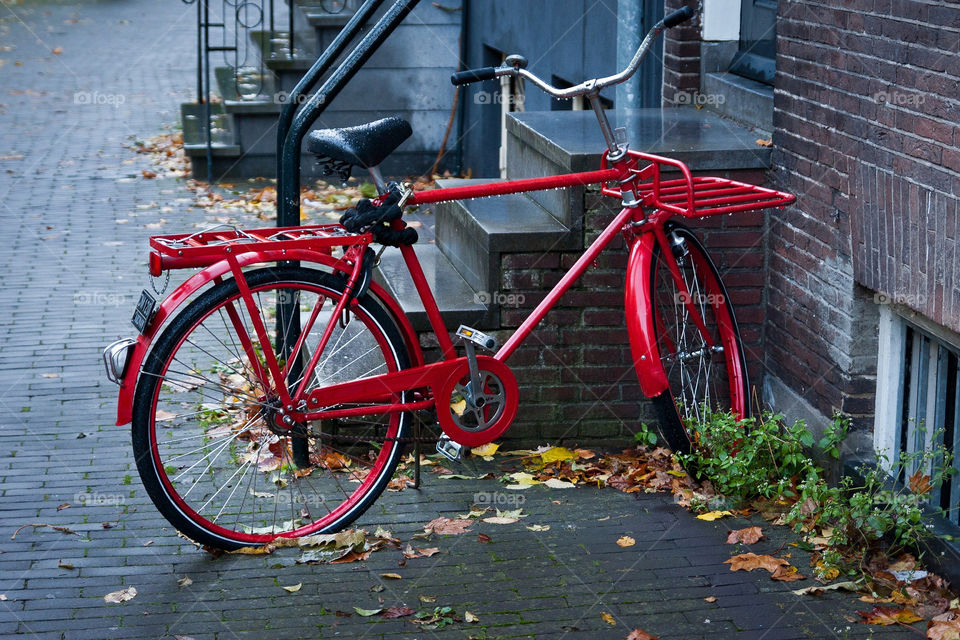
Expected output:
(449, 449)
(478, 338)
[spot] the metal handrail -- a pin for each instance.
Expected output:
(288, 183)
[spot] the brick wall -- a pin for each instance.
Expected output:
(866, 135)
(577, 383)
(681, 56)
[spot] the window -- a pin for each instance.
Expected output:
(918, 396)
(758, 48)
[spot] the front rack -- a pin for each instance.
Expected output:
(693, 197)
(192, 250)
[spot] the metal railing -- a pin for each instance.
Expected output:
(240, 35)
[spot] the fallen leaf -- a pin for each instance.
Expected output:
(122, 595)
(945, 626)
(749, 535)
(787, 574)
(585, 454)
(556, 483)
(391, 576)
(61, 507)
(817, 590)
(426, 599)
(886, 616)
(500, 520)
(640, 634)
(710, 599)
(3, 597)
(482, 537)
(539, 527)
(608, 619)
(397, 612)
(447, 526)
(148, 174)
(626, 541)
(57, 51)
(764, 143)
(293, 588)
(185, 581)
(713, 515)
(486, 451)
(366, 613)
(521, 480)
(751, 561)
(555, 454)
(64, 565)
(469, 617)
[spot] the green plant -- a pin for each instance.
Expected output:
(645, 435)
(746, 459)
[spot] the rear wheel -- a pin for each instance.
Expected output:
(211, 444)
(700, 376)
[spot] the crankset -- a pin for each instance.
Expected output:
(478, 401)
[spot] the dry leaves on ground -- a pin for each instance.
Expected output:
(626, 541)
(447, 526)
(886, 616)
(122, 595)
(640, 634)
(751, 561)
(749, 535)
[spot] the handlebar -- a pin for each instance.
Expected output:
(590, 86)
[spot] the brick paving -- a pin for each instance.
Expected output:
(71, 272)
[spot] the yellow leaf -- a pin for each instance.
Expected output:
(539, 527)
(293, 588)
(486, 451)
(608, 619)
(626, 541)
(458, 407)
(521, 480)
(555, 454)
(713, 515)
(391, 576)
(469, 617)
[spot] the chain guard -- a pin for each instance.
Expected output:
(473, 426)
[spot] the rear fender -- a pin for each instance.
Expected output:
(202, 278)
(640, 318)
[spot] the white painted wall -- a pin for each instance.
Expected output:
(721, 20)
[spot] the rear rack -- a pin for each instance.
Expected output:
(694, 197)
(200, 249)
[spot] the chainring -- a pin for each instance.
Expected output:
(473, 418)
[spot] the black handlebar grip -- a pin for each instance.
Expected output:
(473, 75)
(678, 17)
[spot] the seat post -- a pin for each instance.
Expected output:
(378, 179)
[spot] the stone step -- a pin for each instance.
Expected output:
(473, 233)
(221, 132)
(458, 302)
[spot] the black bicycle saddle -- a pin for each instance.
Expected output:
(366, 145)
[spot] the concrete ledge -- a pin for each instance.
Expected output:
(744, 100)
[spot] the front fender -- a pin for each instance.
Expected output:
(202, 278)
(640, 318)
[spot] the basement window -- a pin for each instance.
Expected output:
(918, 397)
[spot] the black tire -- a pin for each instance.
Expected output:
(231, 441)
(682, 402)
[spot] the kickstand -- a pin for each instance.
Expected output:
(416, 454)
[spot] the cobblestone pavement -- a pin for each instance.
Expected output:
(80, 79)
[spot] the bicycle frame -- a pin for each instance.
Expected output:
(641, 226)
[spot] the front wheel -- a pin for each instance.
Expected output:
(702, 377)
(211, 444)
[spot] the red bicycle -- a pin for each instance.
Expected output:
(275, 400)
